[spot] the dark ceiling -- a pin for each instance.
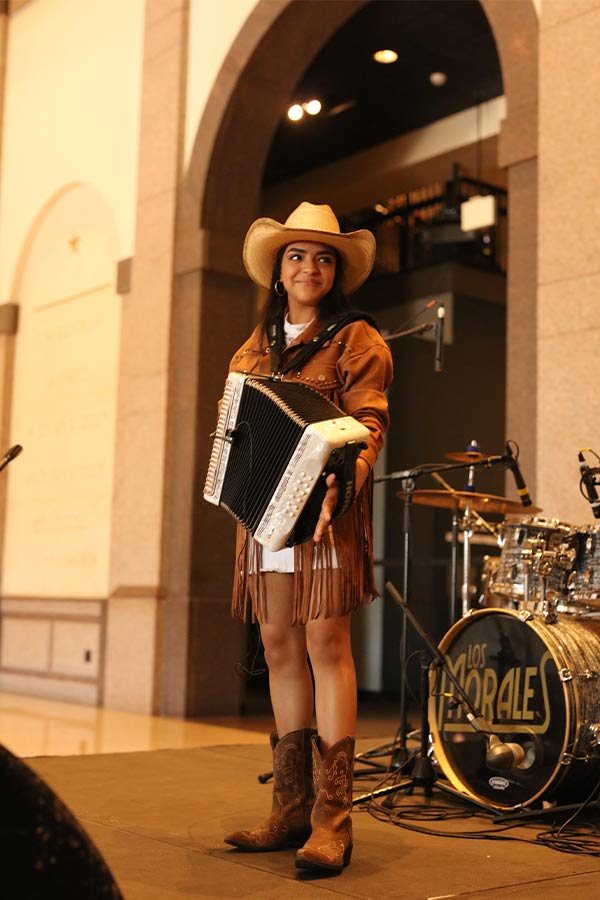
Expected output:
(379, 102)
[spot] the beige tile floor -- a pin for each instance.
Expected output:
(32, 726)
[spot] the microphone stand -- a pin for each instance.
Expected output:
(423, 773)
(417, 329)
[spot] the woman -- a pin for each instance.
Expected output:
(302, 597)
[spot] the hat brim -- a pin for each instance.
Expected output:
(266, 236)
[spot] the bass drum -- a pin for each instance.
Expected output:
(537, 685)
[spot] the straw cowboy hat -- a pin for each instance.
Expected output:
(308, 222)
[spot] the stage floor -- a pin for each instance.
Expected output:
(159, 816)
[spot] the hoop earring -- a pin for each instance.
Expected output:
(279, 288)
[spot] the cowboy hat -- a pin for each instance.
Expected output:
(308, 222)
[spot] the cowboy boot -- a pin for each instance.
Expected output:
(330, 844)
(293, 797)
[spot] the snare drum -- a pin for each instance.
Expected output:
(536, 684)
(584, 581)
(536, 558)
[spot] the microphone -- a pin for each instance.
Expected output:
(500, 754)
(513, 465)
(10, 455)
(587, 477)
(503, 755)
(438, 364)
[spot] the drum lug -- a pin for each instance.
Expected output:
(595, 735)
(589, 675)
(550, 616)
(567, 759)
(524, 615)
(565, 674)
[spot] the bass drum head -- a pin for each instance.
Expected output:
(520, 674)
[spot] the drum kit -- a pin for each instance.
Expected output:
(525, 658)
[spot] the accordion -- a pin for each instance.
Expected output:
(274, 445)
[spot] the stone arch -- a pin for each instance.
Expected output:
(60, 371)
(65, 277)
(221, 194)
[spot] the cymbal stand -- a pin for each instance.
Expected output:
(423, 773)
(469, 516)
(467, 535)
(400, 754)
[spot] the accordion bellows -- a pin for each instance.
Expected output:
(274, 444)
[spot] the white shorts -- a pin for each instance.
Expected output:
(283, 560)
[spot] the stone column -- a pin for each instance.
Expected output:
(8, 311)
(569, 272)
(515, 30)
(139, 592)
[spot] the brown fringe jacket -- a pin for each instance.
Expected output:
(353, 370)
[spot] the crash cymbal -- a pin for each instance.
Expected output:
(470, 456)
(483, 503)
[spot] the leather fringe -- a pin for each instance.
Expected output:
(314, 594)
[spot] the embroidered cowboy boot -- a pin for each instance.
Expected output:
(293, 797)
(330, 844)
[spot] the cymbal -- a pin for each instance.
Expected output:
(479, 502)
(470, 456)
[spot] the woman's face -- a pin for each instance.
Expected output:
(307, 273)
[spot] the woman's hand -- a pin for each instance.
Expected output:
(327, 507)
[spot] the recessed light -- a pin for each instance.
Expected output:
(385, 56)
(438, 79)
(295, 112)
(312, 107)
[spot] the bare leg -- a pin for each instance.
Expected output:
(290, 681)
(330, 653)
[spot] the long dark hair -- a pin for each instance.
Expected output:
(329, 308)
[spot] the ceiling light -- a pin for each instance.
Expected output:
(295, 112)
(385, 56)
(438, 79)
(312, 107)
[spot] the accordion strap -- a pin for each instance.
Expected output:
(308, 351)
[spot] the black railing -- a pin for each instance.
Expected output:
(422, 228)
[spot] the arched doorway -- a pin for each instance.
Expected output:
(222, 194)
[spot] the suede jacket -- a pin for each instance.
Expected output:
(353, 370)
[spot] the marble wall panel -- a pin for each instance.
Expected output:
(555, 12)
(569, 413)
(130, 653)
(569, 147)
(25, 644)
(75, 648)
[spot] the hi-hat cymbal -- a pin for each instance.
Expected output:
(478, 502)
(471, 456)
